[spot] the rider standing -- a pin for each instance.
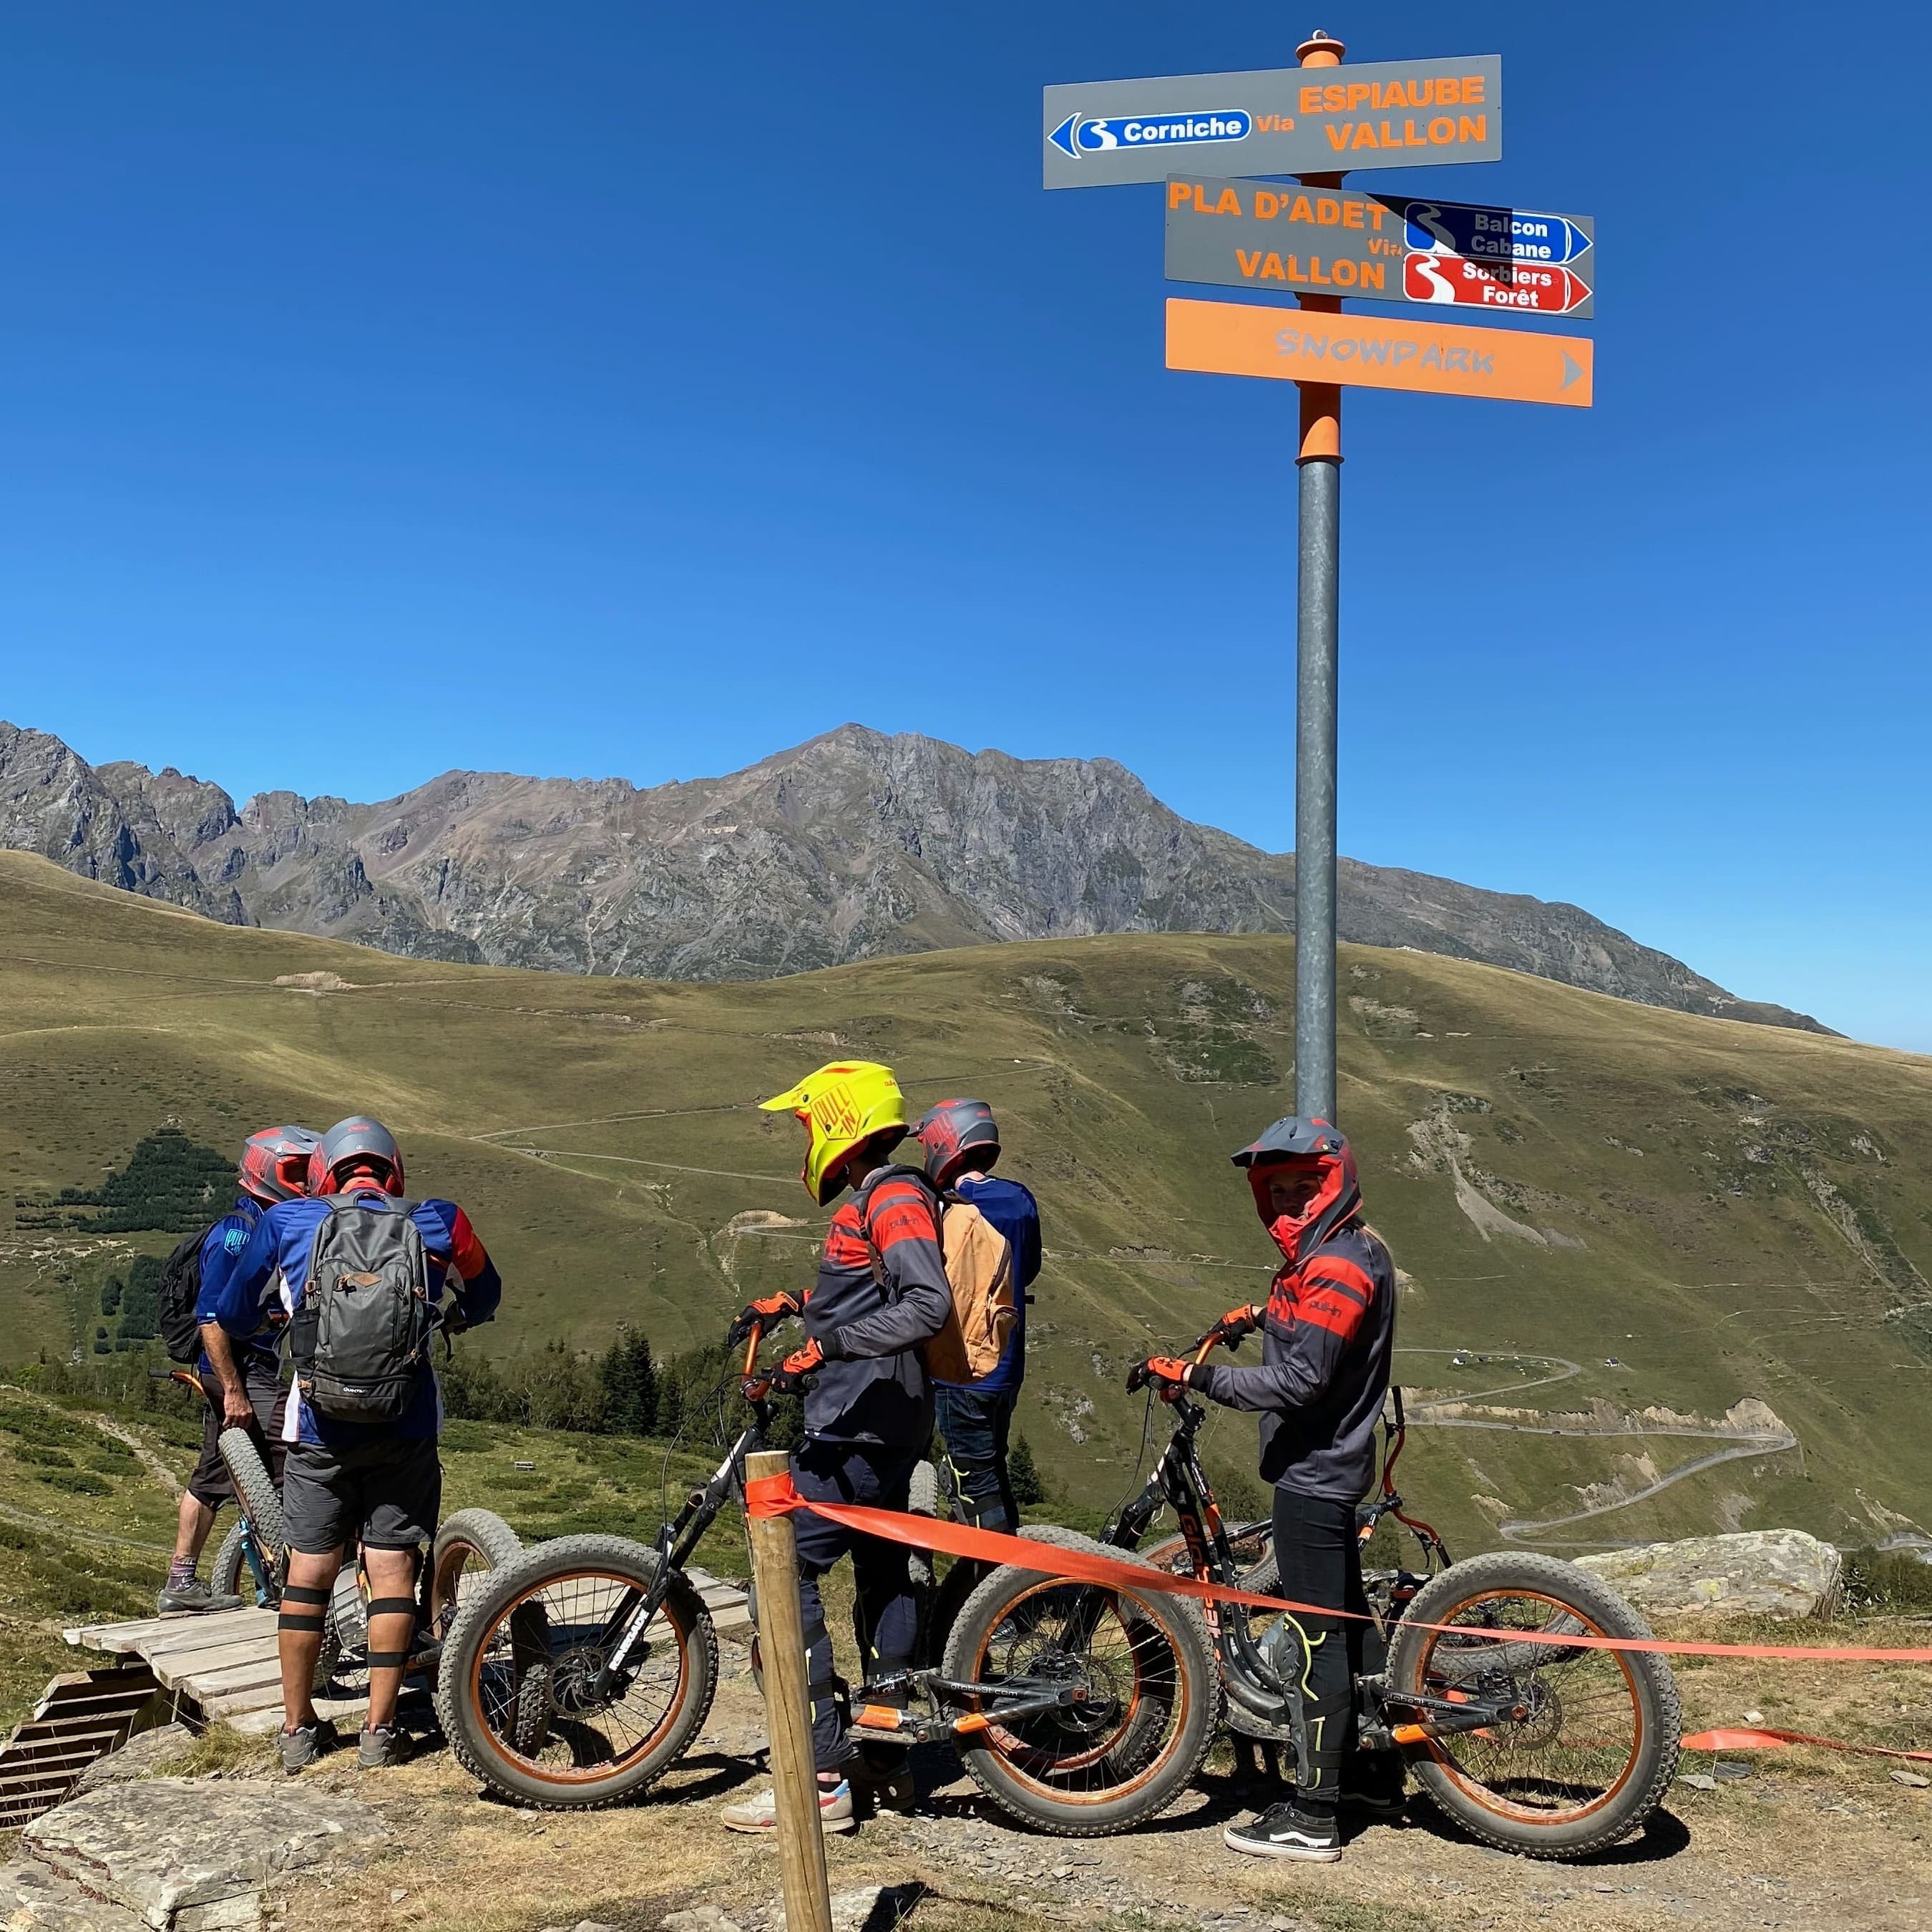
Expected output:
(881, 1293)
(243, 1380)
(1327, 1332)
(961, 1140)
(374, 1482)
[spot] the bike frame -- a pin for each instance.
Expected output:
(677, 1542)
(1180, 1483)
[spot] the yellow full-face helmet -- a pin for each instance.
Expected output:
(841, 1104)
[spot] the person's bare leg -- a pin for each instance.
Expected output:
(192, 1523)
(392, 1573)
(299, 1640)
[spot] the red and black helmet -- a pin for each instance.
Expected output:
(1299, 1140)
(356, 1142)
(274, 1164)
(957, 1135)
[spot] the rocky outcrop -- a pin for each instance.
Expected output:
(854, 846)
(180, 1855)
(1774, 1572)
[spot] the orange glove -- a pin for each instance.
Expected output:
(789, 1377)
(766, 1312)
(1233, 1325)
(1167, 1373)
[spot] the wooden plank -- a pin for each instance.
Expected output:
(234, 1677)
(226, 1626)
(56, 1736)
(251, 1697)
(151, 1635)
(178, 1666)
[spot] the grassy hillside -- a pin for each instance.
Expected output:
(1692, 1214)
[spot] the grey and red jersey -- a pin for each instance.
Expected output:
(873, 1386)
(1327, 1338)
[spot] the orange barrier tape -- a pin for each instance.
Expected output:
(774, 1495)
(1724, 1741)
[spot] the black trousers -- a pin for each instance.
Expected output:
(1321, 1563)
(852, 1472)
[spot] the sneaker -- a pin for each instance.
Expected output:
(1376, 1797)
(303, 1747)
(383, 1746)
(1287, 1831)
(761, 1814)
(194, 1595)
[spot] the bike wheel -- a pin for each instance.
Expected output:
(1597, 1747)
(1139, 1735)
(469, 1546)
(256, 1489)
(521, 1693)
(230, 1576)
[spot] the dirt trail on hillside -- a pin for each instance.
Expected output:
(1742, 1444)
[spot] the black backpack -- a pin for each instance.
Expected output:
(360, 1336)
(176, 1295)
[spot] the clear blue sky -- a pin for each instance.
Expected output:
(636, 389)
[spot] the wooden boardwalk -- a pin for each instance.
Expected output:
(220, 1666)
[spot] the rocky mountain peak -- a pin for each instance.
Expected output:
(853, 845)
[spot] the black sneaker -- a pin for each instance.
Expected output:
(300, 1748)
(194, 1595)
(1376, 1797)
(1287, 1831)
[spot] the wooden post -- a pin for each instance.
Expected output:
(808, 1897)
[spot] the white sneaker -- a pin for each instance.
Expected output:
(761, 1814)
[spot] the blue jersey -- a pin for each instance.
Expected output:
(1012, 1210)
(221, 1249)
(284, 1240)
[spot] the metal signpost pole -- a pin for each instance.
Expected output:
(1317, 654)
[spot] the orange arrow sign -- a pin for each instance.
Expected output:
(1366, 351)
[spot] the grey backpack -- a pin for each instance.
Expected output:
(360, 1337)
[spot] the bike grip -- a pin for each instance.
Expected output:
(1137, 1378)
(752, 1351)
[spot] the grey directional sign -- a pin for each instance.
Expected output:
(1291, 239)
(1280, 121)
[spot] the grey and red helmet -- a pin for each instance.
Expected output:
(356, 1142)
(274, 1164)
(1337, 1200)
(957, 1135)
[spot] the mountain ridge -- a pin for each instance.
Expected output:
(854, 845)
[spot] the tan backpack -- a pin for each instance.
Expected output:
(979, 1270)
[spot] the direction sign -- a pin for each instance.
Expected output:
(1248, 234)
(1522, 288)
(1379, 352)
(1497, 234)
(1385, 114)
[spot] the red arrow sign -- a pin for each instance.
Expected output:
(1535, 288)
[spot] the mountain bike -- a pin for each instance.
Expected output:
(580, 1675)
(1550, 1749)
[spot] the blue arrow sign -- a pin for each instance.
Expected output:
(1077, 135)
(1494, 234)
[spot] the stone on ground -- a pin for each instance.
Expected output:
(135, 1759)
(33, 1900)
(1775, 1573)
(189, 1856)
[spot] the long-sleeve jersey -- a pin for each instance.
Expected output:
(284, 1239)
(1327, 1338)
(873, 1386)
